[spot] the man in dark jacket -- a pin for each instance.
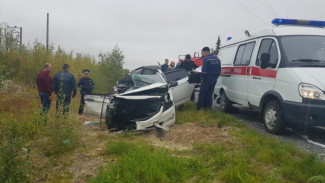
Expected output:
(86, 86)
(44, 85)
(165, 66)
(189, 65)
(212, 67)
(64, 84)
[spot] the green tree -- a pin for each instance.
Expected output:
(218, 44)
(111, 68)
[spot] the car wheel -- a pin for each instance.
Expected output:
(225, 104)
(273, 117)
(108, 120)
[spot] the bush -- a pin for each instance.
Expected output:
(13, 165)
(61, 134)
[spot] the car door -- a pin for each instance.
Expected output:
(182, 92)
(239, 73)
(95, 105)
(263, 80)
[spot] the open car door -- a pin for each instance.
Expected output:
(95, 105)
(182, 92)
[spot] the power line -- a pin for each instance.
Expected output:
(276, 13)
(251, 11)
(266, 7)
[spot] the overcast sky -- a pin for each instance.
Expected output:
(148, 30)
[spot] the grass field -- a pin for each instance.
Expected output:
(203, 146)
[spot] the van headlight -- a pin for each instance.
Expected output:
(311, 92)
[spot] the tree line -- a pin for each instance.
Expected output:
(23, 64)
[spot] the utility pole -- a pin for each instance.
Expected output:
(20, 38)
(47, 32)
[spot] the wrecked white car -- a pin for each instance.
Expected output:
(144, 99)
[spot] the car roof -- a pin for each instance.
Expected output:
(279, 30)
(152, 67)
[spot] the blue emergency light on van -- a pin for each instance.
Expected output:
(281, 21)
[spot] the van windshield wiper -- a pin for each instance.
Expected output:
(306, 60)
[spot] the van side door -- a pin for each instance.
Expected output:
(261, 79)
(239, 73)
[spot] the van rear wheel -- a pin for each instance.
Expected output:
(225, 104)
(273, 117)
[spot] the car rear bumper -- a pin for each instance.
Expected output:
(305, 113)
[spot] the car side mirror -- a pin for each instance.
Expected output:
(173, 84)
(265, 60)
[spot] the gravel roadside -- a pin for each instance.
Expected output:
(292, 136)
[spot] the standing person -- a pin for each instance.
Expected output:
(64, 84)
(179, 64)
(86, 86)
(171, 66)
(44, 85)
(164, 67)
(189, 65)
(212, 67)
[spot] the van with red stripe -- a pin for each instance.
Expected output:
(279, 71)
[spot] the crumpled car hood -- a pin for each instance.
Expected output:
(162, 87)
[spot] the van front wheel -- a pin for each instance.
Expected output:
(273, 117)
(225, 104)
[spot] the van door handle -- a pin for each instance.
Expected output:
(232, 70)
(247, 70)
(256, 78)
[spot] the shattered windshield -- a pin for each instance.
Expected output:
(145, 80)
(304, 49)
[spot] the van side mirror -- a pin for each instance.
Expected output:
(265, 60)
(173, 84)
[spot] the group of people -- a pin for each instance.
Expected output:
(211, 68)
(64, 86)
(186, 64)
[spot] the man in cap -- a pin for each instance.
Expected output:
(86, 86)
(64, 84)
(211, 66)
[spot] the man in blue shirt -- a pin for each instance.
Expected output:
(165, 66)
(64, 84)
(211, 66)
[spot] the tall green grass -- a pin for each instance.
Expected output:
(255, 158)
(140, 162)
(24, 135)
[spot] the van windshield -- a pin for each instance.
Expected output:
(304, 51)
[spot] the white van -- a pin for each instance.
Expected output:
(279, 71)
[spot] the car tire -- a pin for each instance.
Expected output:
(225, 104)
(274, 121)
(108, 120)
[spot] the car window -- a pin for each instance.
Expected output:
(146, 71)
(268, 46)
(274, 55)
(140, 80)
(175, 75)
(239, 54)
(244, 54)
